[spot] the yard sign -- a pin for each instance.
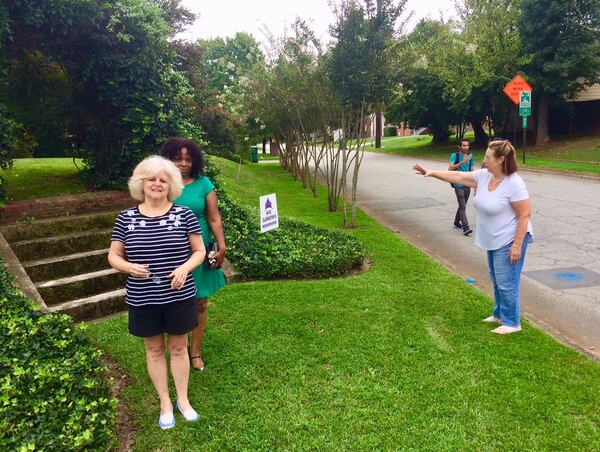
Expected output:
(269, 219)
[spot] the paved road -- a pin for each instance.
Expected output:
(566, 224)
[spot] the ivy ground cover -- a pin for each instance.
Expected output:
(393, 358)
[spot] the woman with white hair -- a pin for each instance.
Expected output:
(158, 244)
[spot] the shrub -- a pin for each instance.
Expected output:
(53, 391)
(294, 250)
(297, 249)
(390, 131)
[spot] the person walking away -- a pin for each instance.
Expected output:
(462, 160)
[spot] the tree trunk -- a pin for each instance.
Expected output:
(541, 135)
(264, 143)
(378, 127)
(481, 138)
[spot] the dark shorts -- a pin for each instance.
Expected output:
(179, 317)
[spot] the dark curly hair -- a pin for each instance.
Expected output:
(171, 149)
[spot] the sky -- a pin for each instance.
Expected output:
(226, 17)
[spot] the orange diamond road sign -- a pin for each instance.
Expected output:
(514, 87)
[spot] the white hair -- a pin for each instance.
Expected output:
(150, 167)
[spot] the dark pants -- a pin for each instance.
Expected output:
(462, 196)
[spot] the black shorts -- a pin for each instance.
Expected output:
(179, 317)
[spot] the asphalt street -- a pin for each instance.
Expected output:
(564, 298)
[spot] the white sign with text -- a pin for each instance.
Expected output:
(269, 219)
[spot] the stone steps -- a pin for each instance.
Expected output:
(61, 247)
(60, 255)
(64, 206)
(41, 248)
(63, 266)
(93, 307)
(29, 230)
(58, 291)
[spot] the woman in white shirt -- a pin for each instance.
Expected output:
(503, 229)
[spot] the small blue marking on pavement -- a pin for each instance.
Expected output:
(568, 276)
(471, 280)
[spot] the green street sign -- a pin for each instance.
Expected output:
(524, 122)
(525, 104)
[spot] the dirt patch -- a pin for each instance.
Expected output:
(119, 380)
(364, 267)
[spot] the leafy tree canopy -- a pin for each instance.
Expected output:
(560, 40)
(117, 58)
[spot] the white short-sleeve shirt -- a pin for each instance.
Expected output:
(496, 219)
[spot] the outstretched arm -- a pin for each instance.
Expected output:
(453, 177)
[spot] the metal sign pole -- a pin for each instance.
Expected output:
(524, 137)
(515, 127)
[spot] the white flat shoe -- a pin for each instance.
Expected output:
(166, 420)
(190, 415)
(506, 329)
(492, 319)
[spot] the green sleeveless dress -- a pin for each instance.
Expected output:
(194, 196)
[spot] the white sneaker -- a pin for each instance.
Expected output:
(506, 329)
(492, 319)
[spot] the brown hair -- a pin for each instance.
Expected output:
(503, 148)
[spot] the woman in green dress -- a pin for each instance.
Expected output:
(199, 195)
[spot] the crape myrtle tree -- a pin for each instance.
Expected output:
(295, 101)
(230, 124)
(360, 70)
(125, 96)
(561, 40)
(381, 27)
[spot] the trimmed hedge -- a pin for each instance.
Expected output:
(294, 250)
(53, 391)
(390, 132)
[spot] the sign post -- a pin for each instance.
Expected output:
(519, 92)
(525, 112)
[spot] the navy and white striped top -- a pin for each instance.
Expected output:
(161, 242)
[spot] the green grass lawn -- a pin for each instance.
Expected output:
(262, 156)
(41, 177)
(394, 358)
(578, 155)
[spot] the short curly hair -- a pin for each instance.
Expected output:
(171, 149)
(150, 167)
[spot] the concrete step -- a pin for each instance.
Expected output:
(80, 286)
(94, 307)
(29, 250)
(29, 230)
(63, 266)
(60, 206)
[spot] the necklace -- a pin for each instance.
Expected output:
(495, 182)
